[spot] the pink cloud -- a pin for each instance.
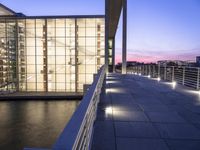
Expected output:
(154, 56)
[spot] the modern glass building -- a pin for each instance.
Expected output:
(49, 53)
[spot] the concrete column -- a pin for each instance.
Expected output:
(124, 49)
(106, 32)
(113, 54)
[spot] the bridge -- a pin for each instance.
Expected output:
(132, 111)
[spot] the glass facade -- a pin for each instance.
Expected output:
(51, 54)
(7, 55)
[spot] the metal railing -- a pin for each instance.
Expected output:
(77, 135)
(188, 76)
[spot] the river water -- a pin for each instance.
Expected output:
(33, 123)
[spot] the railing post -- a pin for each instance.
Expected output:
(165, 72)
(183, 81)
(158, 70)
(149, 70)
(141, 69)
(136, 69)
(154, 71)
(146, 70)
(198, 72)
(172, 73)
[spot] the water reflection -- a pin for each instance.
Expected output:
(33, 123)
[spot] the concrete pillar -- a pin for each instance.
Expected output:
(124, 49)
(113, 54)
(106, 32)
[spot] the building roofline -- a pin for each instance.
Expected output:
(22, 16)
(53, 17)
(8, 9)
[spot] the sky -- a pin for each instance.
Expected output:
(157, 29)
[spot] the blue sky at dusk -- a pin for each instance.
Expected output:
(157, 29)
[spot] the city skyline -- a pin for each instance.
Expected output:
(157, 29)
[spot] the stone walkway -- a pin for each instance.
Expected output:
(138, 113)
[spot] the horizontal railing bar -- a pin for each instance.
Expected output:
(188, 76)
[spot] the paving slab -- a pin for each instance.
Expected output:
(154, 107)
(136, 130)
(125, 107)
(190, 116)
(148, 100)
(193, 108)
(184, 145)
(168, 117)
(129, 116)
(102, 115)
(104, 137)
(141, 144)
(178, 131)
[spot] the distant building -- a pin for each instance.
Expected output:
(198, 61)
(133, 63)
(129, 64)
(174, 63)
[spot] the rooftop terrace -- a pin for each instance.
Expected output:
(145, 114)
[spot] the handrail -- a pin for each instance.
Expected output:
(77, 135)
(188, 76)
